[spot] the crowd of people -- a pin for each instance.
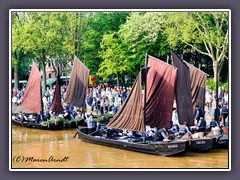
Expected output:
(106, 99)
(210, 99)
(100, 99)
(103, 100)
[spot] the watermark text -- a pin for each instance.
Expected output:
(22, 159)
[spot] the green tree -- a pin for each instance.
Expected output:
(20, 58)
(112, 54)
(141, 34)
(205, 32)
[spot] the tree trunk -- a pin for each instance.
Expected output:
(123, 81)
(215, 71)
(16, 77)
(117, 80)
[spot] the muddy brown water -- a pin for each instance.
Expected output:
(32, 148)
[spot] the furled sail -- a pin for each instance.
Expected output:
(130, 115)
(161, 79)
(56, 105)
(32, 97)
(183, 91)
(76, 91)
(198, 86)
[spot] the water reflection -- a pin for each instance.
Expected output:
(44, 144)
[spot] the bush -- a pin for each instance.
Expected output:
(44, 123)
(104, 119)
(56, 121)
(78, 119)
(225, 85)
(211, 84)
(67, 123)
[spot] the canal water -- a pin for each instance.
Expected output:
(58, 149)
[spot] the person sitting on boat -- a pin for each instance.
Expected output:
(150, 132)
(133, 134)
(30, 118)
(22, 117)
(40, 117)
(90, 123)
(183, 129)
(99, 129)
(67, 115)
(212, 124)
(161, 134)
(202, 125)
(175, 129)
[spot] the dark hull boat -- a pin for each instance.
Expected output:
(137, 112)
(198, 143)
(190, 91)
(34, 125)
(220, 137)
(222, 142)
(46, 126)
(136, 144)
(32, 99)
(202, 145)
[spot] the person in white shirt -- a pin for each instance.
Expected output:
(90, 123)
(175, 121)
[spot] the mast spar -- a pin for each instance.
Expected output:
(145, 96)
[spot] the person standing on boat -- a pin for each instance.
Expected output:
(44, 99)
(175, 121)
(47, 114)
(202, 125)
(90, 123)
(198, 113)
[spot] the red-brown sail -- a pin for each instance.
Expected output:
(183, 91)
(56, 105)
(130, 115)
(32, 97)
(198, 86)
(161, 80)
(76, 91)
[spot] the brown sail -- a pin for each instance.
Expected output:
(130, 115)
(56, 105)
(183, 91)
(161, 80)
(76, 91)
(198, 86)
(32, 97)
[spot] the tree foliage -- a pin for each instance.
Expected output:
(115, 43)
(113, 55)
(205, 32)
